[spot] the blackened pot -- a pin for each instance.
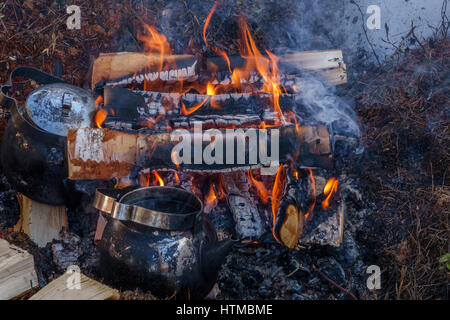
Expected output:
(182, 263)
(33, 146)
(33, 160)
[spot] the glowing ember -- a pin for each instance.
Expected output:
(328, 190)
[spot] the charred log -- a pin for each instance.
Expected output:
(126, 68)
(248, 222)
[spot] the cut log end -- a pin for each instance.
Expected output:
(289, 225)
(17, 273)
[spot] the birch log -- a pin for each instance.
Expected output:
(105, 153)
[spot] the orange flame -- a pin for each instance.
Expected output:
(177, 178)
(211, 197)
(158, 179)
(208, 19)
(266, 67)
(156, 43)
(100, 117)
(185, 112)
(275, 197)
(210, 89)
(220, 52)
(98, 101)
(144, 179)
(263, 193)
(329, 189)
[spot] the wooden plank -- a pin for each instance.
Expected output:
(334, 76)
(65, 288)
(41, 222)
(314, 59)
(17, 273)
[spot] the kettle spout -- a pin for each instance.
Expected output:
(214, 255)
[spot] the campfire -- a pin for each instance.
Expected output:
(231, 131)
(245, 140)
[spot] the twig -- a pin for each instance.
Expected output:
(334, 283)
(445, 22)
(4, 5)
(365, 32)
(415, 38)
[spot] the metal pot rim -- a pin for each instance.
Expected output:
(120, 210)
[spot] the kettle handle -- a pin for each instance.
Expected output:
(103, 201)
(107, 202)
(37, 75)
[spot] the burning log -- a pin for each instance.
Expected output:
(327, 64)
(104, 153)
(288, 216)
(125, 68)
(325, 211)
(76, 286)
(248, 223)
(143, 109)
(41, 222)
(17, 273)
(326, 228)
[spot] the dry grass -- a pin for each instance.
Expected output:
(405, 114)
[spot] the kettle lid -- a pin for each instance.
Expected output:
(59, 107)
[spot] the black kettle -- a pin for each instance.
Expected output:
(33, 155)
(158, 239)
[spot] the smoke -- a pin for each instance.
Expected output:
(318, 102)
